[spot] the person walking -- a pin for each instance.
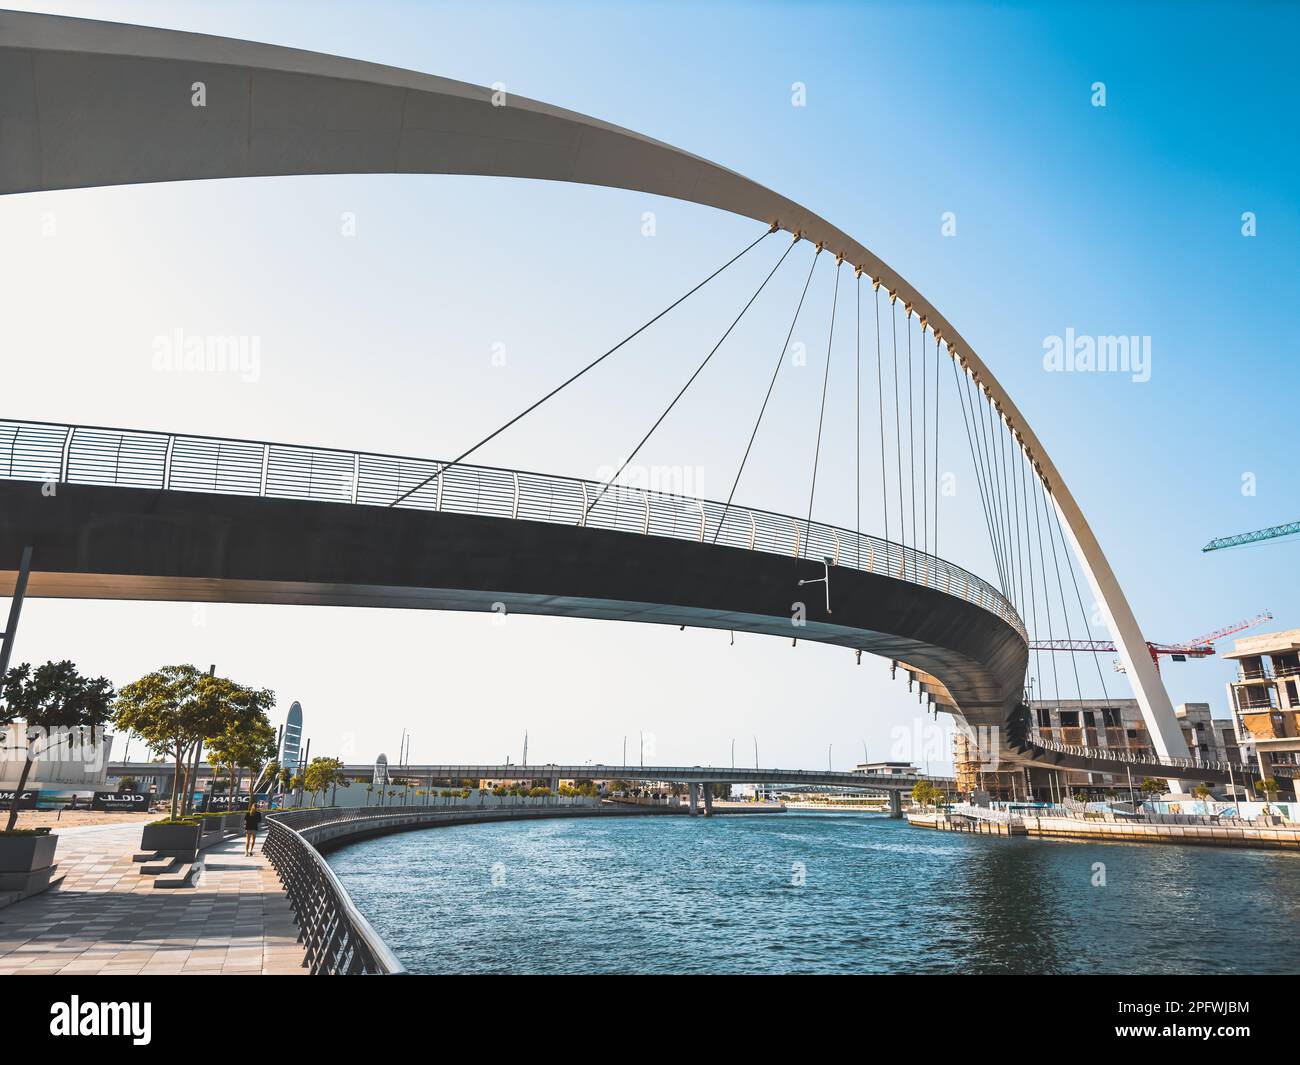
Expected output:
(252, 822)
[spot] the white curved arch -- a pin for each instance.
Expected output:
(87, 103)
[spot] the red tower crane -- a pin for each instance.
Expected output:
(1200, 647)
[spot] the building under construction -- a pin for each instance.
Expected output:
(1115, 725)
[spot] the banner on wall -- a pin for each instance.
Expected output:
(134, 801)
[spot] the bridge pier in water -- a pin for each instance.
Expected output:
(693, 794)
(895, 803)
(708, 799)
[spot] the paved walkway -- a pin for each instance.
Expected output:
(107, 919)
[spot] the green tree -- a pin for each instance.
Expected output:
(52, 697)
(322, 774)
(174, 710)
(1153, 787)
(924, 793)
(247, 740)
(1269, 787)
(1203, 793)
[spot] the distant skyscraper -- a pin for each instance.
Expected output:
(291, 743)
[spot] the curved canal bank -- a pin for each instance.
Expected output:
(813, 892)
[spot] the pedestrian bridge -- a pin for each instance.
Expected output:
(159, 516)
(126, 514)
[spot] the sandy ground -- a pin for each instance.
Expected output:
(57, 819)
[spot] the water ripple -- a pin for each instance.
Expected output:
(816, 893)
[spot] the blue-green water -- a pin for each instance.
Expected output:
(815, 893)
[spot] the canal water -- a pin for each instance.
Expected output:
(816, 892)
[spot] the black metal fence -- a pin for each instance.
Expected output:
(337, 939)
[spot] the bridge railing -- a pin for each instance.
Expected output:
(336, 937)
(84, 454)
(1111, 754)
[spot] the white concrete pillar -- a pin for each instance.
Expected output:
(693, 791)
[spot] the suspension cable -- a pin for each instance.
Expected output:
(590, 366)
(857, 411)
(925, 452)
(975, 465)
(911, 425)
(1015, 497)
(880, 401)
(981, 441)
(1079, 597)
(821, 417)
(690, 381)
(1007, 443)
(996, 483)
(898, 432)
(938, 391)
(1060, 587)
(1047, 598)
(1033, 597)
(780, 360)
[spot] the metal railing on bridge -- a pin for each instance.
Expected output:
(1124, 757)
(95, 455)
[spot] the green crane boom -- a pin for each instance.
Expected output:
(1253, 537)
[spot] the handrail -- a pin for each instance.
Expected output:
(98, 455)
(1110, 754)
(337, 938)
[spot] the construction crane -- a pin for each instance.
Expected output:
(1241, 539)
(1200, 647)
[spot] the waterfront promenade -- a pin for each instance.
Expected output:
(107, 919)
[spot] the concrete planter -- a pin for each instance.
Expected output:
(232, 823)
(26, 863)
(22, 854)
(178, 840)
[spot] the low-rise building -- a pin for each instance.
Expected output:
(887, 769)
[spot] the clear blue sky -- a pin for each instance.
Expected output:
(1117, 220)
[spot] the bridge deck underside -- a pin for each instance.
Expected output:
(126, 543)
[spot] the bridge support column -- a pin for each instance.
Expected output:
(708, 799)
(895, 803)
(693, 793)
